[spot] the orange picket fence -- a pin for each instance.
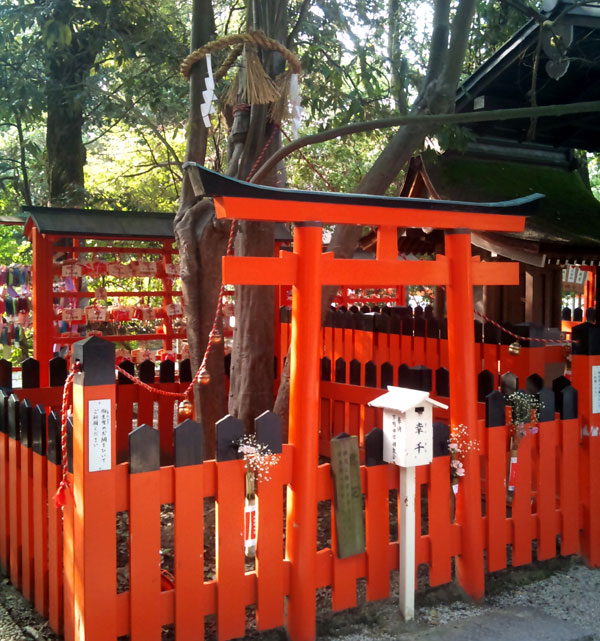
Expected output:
(141, 545)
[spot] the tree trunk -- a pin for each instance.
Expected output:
(64, 130)
(202, 240)
(252, 359)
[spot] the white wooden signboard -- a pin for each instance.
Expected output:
(595, 389)
(407, 442)
(99, 435)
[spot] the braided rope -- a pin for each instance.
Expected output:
(554, 341)
(61, 492)
(251, 37)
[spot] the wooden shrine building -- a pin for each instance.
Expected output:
(511, 158)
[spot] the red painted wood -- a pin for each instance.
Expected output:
(546, 491)
(144, 556)
(4, 503)
(338, 418)
(569, 487)
(166, 418)
(126, 396)
(377, 530)
(145, 406)
(440, 566)
(270, 569)
(496, 470)
(68, 565)
(231, 613)
(27, 522)
(55, 552)
(593, 523)
(523, 533)
(14, 509)
(40, 533)
(189, 552)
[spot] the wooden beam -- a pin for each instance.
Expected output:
(296, 210)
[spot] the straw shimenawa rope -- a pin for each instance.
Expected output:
(251, 37)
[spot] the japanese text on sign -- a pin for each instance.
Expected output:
(99, 435)
(596, 389)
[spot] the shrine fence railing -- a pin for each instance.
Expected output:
(140, 545)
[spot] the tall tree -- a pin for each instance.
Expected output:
(75, 48)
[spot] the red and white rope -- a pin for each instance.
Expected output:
(61, 492)
(551, 341)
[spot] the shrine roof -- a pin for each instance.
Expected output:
(505, 79)
(568, 216)
(102, 223)
(215, 184)
(98, 223)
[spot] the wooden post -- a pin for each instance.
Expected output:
(93, 536)
(406, 535)
(43, 312)
(301, 542)
(463, 406)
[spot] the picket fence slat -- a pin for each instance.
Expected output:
(496, 498)
(523, 532)
(231, 601)
(14, 484)
(270, 568)
(377, 531)
(188, 522)
(569, 487)
(55, 552)
(144, 534)
(68, 565)
(546, 491)
(440, 566)
(592, 444)
(26, 501)
(4, 499)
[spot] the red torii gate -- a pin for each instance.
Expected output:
(307, 269)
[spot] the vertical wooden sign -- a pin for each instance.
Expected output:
(347, 496)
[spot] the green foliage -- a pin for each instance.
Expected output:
(14, 247)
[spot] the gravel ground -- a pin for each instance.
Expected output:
(562, 588)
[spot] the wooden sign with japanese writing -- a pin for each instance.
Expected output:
(407, 426)
(347, 497)
(99, 422)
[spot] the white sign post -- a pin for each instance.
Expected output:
(407, 442)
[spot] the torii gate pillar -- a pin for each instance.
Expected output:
(463, 405)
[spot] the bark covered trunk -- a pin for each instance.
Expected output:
(64, 130)
(202, 240)
(252, 359)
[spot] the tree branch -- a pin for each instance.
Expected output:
(426, 120)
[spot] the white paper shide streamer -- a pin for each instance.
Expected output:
(295, 108)
(207, 107)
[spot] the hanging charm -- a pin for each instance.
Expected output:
(514, 348)
(250, 516)
(207, 108)
(295, 107)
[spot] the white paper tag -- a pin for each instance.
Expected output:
(99, 435)
(595, 389)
